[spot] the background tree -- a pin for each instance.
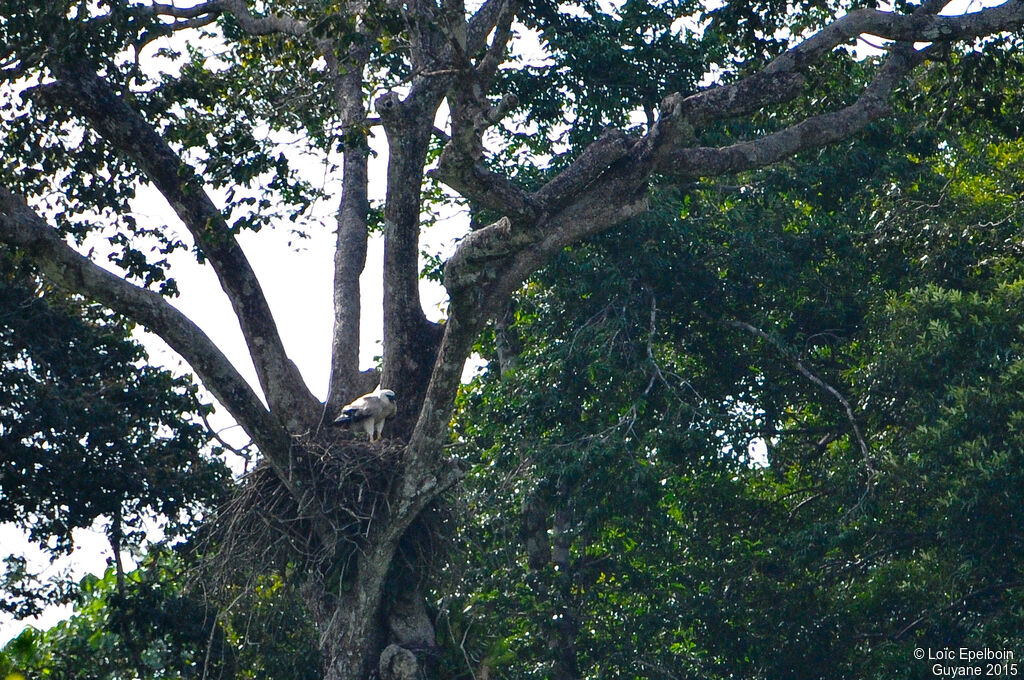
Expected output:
(155, 622)
(90, 436)
(872, 363)
(351, 526)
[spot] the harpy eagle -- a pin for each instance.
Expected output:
(369, 412)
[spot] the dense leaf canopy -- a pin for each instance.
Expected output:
(672, 417)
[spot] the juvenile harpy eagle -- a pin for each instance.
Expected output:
(369, 412)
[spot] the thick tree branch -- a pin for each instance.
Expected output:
(471, 268)
(184, 17)
(612, 146)
(922, 26)
(495, 54)
(21, 227)
(607, 185)
(424, 475)
(349, 262)
(410, 339)
(352, 219)
(811, 133)
(460, 163)
(200, 10)
(263, 25)
(89, 96)
(482, 23)
(442, 42)
(251, 24)
(751, 94)
(352, 233)
(608, 182)
(603, 199)
(665, 148)
(472, 114)
(487, 188)
(680, 116)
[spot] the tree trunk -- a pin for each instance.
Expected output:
(381, 630)
(353, 232)
(410, 340)
(554, 586)
(373, 620)
(349, 261)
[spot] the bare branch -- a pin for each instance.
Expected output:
(482, 23)
(675, 127)
(410, 339)
(244, 452)
(502, 34)
(253, 25)
(922, 26)
(851, 418)
(466, 268)
(489, 189)
(349, 262)
(198, 22)
(21, 227)
(471, 115)
(727, 101)
(665, 147)
(353, 229)
(811, 133)
(611, 146)
(203, 9)
(350, 254)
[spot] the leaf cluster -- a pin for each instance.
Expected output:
(154, 623)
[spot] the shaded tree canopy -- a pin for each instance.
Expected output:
(545, 150)
(89, 434)
(614, 486)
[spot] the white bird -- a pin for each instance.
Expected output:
(369, 412)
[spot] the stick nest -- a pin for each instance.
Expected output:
(314, 515)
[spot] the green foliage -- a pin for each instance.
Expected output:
(664, 483)
(154, 625)
(88, 432)
(627, 418)
(232, 117)
(603, 63)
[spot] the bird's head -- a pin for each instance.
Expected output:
(389, 395)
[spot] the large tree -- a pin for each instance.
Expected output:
(89, 115)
